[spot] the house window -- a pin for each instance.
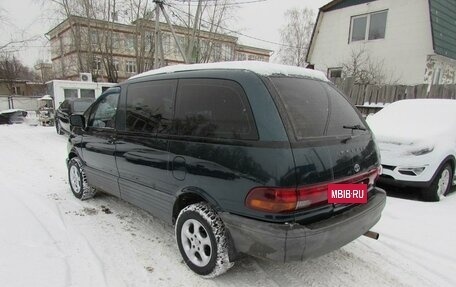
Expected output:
(437, 76)
(96, 64)
(166, 43)
(129, 43)
(70, 93)
(17, 90)
(94, 37)
(115, 41)
(252, 58)
(87, 93)
(130, 67)
(116, 65)
(368, 27)
(334, 73)
(149, 41)
(241, 57)
(227, 52)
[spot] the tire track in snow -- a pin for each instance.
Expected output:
(48, 233)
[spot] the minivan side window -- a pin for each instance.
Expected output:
(150, 106)
(103, 114)
(213, 108)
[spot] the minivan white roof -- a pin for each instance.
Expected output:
(261, 68)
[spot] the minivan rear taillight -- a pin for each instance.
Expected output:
(288, 199)
(272, 199)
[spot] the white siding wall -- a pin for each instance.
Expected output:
(407, 43)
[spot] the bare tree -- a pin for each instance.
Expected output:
(365, 69)
(141, 14)
(11, 70)
(3, 17)
(97, 41)
(16, 42)
(93, 42)
(296, 35)
(204, 22)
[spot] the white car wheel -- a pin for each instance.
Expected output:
(441, 184)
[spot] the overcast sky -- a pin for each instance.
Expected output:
(28, 18)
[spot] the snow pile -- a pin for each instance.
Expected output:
(414, 121)
(261, 68)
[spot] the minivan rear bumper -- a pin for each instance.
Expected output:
(294, 242)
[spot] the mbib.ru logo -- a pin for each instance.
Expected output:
(347, 193)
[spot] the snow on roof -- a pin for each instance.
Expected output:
(414, 120)
(45, 98)
(261, 68)
(11, 111)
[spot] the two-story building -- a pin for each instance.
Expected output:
(413, 40)
(129, 47)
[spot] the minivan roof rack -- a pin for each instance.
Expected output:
(261, 68)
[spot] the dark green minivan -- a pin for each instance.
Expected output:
(236, 155)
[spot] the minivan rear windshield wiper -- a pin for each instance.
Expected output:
(355, 127)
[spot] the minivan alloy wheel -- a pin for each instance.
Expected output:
(196, 242)
(75, 179)
(203, 240)
(78, 180)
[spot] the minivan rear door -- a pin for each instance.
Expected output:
(330, 140)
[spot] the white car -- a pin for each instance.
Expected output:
(417, 142)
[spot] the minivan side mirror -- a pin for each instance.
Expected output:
(77, 121)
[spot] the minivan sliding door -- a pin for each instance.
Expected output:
(142, 146)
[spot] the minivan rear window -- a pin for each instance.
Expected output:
(315, 108)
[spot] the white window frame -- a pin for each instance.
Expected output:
(368, 21)
(97, 64)
(130, 67)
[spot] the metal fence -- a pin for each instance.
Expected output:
(28, 103)
(371, 98)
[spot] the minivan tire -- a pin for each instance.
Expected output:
(444, 177)
(78, 180)
(203, 241)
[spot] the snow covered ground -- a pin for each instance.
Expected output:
(49, 238)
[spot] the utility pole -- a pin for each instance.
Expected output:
(157, 34)
(158, 42)
(195, 26)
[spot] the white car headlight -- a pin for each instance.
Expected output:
(414, 171)
(422, 151)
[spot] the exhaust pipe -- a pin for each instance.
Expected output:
(372, 234)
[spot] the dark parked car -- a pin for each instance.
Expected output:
(66, 109)
(237, 156)
(12, 116)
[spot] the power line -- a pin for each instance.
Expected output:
(220, 4)
(232, 31)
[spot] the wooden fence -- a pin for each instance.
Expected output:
(371, 98)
